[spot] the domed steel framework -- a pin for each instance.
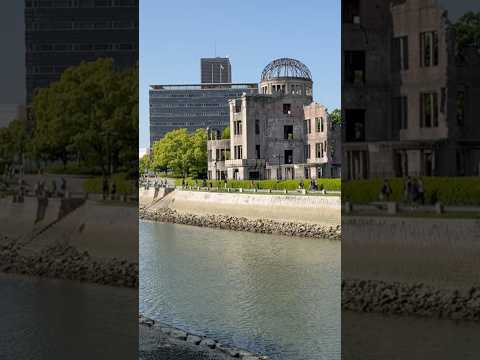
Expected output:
(286, 67)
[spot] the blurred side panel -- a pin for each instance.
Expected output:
(411, 179)
(68, 179)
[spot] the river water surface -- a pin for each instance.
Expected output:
(379, 337)
(276, 295)
(61, 319)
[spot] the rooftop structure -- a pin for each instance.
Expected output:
(215, 70)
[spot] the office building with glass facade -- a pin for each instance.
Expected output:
(192, 106)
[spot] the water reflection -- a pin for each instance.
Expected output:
(272, 294)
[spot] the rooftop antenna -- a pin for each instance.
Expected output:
(215, 48)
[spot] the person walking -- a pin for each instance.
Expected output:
(407, 189)
(421, 192)
(114, 191)
(414, 190)
(63, 186)
(386, 191)
(105, 188)
(54, 188)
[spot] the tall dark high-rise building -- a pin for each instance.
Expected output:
(216, 70)
(63, 33)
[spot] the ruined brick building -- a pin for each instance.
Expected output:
(408, 92)
(277, 134)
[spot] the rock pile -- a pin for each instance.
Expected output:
(63, 261)
(417, 299)
(265, 226)
(200, 341)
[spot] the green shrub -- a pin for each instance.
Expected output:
(448, 190)
(328, 184)
(73, 169)
(124, 186)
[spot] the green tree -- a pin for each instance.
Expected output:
(174, 152)
(199, 158)
(145, 164)
(183, 153)
(467, 30)
(89, 115)
(226, 133)
(336, 116)
(13, 142)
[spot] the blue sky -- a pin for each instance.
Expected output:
(174, 35)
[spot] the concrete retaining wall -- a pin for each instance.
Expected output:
(23, 219)
(150, 196)
(310, 209)
(440, 252)
(103, 230)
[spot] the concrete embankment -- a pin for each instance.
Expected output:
(159, 341)
(411, 266)
(292, 215)
(440, 252)
(324, 210)
(91, 241)
(103, 229)
(27, 217)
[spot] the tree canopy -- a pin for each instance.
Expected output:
(145, 164)
(90, 115)
(467, 30)
(226, 133)
(182, 153)
(13, 142)
(336, 116)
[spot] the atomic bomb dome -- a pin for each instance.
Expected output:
(286, 76)
(286, 68)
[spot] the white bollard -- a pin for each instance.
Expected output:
(392, 208)
(348, 207)
(439, 209)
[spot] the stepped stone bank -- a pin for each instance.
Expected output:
(226, 222)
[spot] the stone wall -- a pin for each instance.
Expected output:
(225, 222)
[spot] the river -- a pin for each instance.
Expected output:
(276, 295)
(379, 337)
(60, 319)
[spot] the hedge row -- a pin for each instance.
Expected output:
(328, 184)
(447, 190)
(72, 169)
(95, 185)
